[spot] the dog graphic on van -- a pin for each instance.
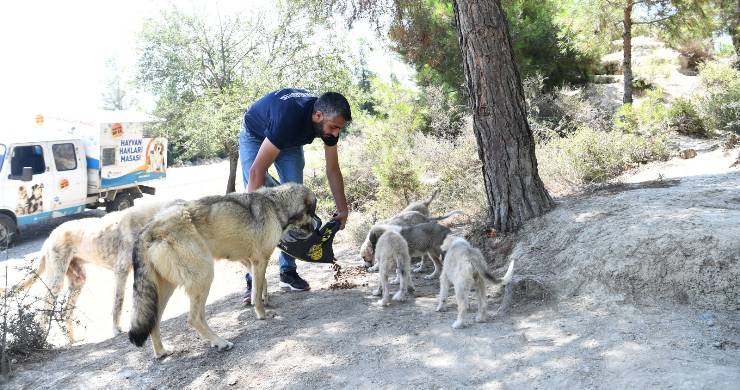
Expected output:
(21, 207)
(36, 202)
(155, 157)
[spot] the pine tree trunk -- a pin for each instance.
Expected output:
(505, 143)
(735, 32)
(627, 48)
(231, 184)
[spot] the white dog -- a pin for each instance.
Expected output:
(106, 242)
(465, 267)
(392, 253)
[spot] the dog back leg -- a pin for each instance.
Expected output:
(120, 273)
(403, 264)
(259, 287)
(420, 265)
(384, 285)
(198, 296)
(76, 277)
(54, 281)
(461, 295)
(437, 261)
(480, 289)
(444, 290)
(118, 293)
(164, 292)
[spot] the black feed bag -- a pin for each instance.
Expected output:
(317, 248)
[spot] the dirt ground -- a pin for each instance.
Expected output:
(340, 338)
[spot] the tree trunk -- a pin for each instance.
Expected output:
(513, 186)
(735, 32)
(627, 48)
(231, 184)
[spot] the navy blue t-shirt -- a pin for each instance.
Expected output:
(284, 117)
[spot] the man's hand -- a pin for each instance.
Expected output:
(341, 217)
(336, 183)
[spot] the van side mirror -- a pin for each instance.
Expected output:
(27, 174)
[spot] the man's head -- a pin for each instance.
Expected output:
(331, 113)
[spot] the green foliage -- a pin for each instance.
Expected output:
(646, 117)
(559, 112)
(204, 72)
(444, 116)
(424, 34)
(625, 119)
(719, 102)
(590, 156)
(541, 47)
(685, 119)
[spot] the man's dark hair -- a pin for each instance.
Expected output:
(332, 104)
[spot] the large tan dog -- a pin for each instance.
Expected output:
(106, 241)
(179, 246)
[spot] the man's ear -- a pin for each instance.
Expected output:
(317, 116)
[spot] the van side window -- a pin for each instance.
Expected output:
(109, 156)
(65, 158)
(27, 156)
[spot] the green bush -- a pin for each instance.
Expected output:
(684, 118)
(589, 156)
(645, 117)
(719, 103)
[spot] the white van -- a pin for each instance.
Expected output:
(60, 166)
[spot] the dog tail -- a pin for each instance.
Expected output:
(146, 300)
(509, 274)
(31, 278)
(431, 198)
(451, 213)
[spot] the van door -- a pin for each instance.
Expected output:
(70, 175)
(32, 198)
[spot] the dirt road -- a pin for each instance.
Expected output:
(341, 339)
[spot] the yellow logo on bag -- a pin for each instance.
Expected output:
(316, 252)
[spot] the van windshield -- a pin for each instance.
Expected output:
(2, 155)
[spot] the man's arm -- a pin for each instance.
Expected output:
(265, 157)
(336, 183)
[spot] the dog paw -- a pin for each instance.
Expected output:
(458, 324)
(377, 293)
(396, 281)
(481, 318)
(162, 354)
(117, 331)
(383, 302)
(441, 308)
(260, 314)
(222, 345)
(399, 297)
(416, 270)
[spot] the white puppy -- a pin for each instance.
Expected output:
(392, 254)
(465, 267)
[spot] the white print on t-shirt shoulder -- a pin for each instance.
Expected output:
(296, 95)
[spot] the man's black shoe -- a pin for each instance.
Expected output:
(291, 280)
(248, 294)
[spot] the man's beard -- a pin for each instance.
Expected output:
(318, 130)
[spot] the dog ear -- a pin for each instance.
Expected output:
(374, 236)
(310, 203)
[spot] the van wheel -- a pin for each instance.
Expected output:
(8, 229)
(122, 201)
